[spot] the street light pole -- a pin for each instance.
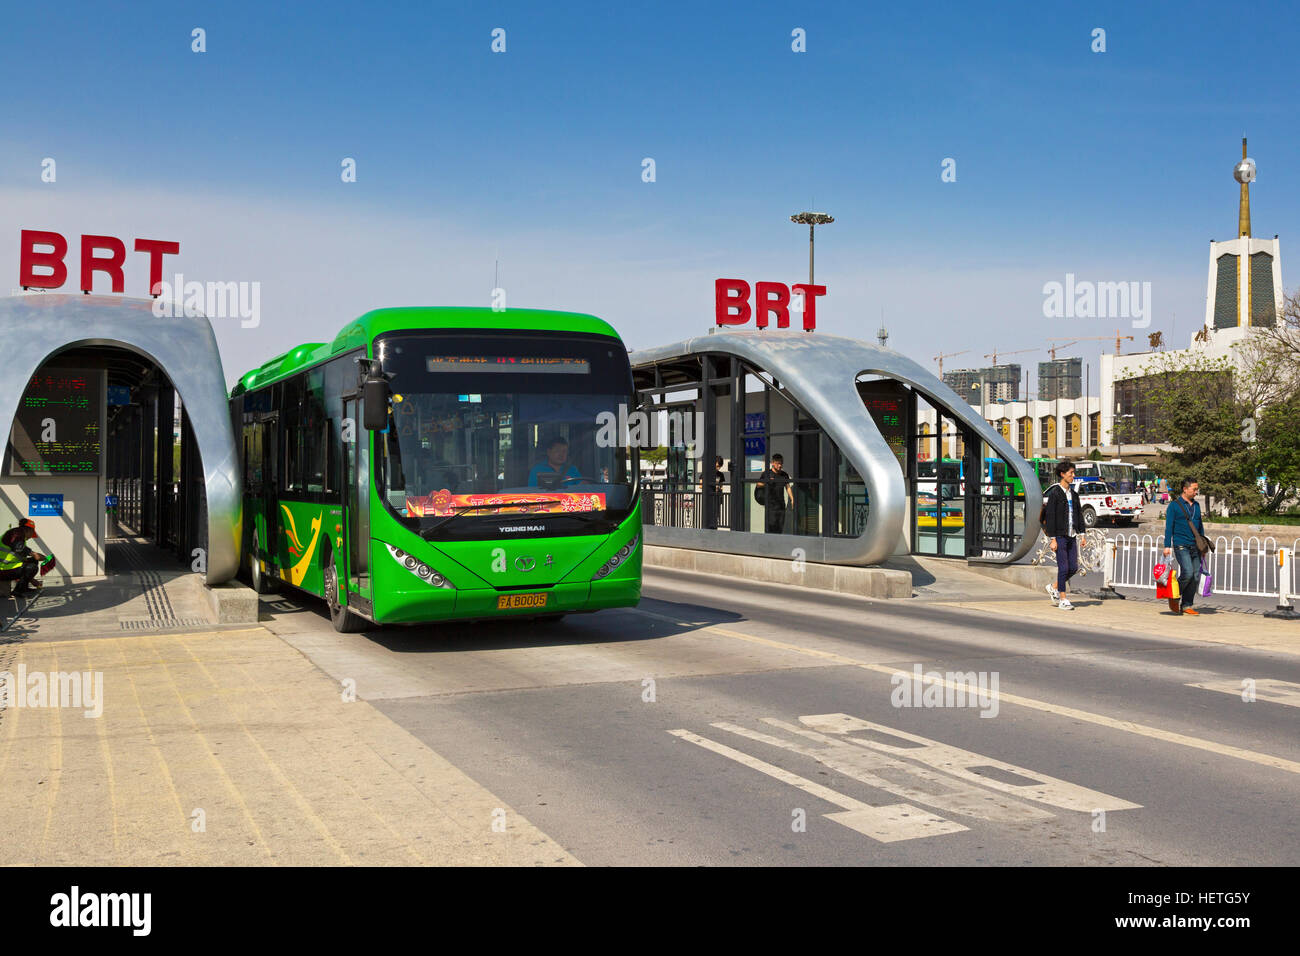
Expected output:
(812, 220)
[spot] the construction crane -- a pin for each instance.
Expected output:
(994, 354)
(1088, 338)
(1053, 346)
(943, 355)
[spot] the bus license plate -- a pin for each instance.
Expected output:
(511, 601)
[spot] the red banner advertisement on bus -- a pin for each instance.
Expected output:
(439, 503)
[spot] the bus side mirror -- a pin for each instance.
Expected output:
(375, 392)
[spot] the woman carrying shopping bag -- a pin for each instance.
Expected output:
(1185, 540)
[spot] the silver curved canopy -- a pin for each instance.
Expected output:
(820, 372)
(34, 328)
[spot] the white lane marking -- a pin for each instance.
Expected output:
(953, 760)
(886, 824)
(894, 822)
(908, 781)
(1273, 691)
(1128, 726)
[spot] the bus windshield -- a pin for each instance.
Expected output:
(1118, 475)
(495, 433)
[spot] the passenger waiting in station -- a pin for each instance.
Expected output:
(552, 472)
(20, 563)
(778, 495)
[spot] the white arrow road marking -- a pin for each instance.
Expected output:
(964, 765)
(887, 824)
(884, 772)
(1273, 691)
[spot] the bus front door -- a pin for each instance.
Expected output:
(270, 544)
(356, 497)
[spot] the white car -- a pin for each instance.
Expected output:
(1099, 502)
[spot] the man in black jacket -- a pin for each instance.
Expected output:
(776, 482)
(1063, 525)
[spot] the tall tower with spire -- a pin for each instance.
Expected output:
(1244, 286)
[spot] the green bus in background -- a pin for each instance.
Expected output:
(444, 463)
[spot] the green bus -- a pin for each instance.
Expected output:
(444, 463)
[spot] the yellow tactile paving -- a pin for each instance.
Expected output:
(239, 726)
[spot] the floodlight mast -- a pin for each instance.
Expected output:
(812, 220)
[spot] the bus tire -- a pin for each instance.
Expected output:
(261, 581)
(345, 621)
(1089, 518)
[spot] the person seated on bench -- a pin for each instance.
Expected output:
(20, 563)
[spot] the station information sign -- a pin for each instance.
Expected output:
(56, 430)
(890, 406)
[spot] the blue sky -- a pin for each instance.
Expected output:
(1113, 166)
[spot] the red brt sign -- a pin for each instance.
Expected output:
(769, 298)
(29, 258)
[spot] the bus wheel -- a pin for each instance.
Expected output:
(344, 621)
(262, 582)
(1089, 518)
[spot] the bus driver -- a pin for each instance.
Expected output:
(552, 473)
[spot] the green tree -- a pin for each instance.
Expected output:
(1277, 451)
(1195, 405)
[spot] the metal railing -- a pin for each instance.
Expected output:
(1241, 566)
(997, 518)
(853, 509)
(1295, 567)
(685, 508)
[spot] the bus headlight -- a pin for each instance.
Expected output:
(419, 568)
(619, 557)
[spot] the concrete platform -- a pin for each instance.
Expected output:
(1020, 575)
(231, 603)
(146, 589)
(876, 582)
(231, 748)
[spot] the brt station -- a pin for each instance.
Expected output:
(121, 452)
(883, 458)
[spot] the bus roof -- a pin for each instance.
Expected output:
(363, 331)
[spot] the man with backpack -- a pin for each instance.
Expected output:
(1062, 521)
(774, 492)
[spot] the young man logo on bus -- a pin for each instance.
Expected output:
(551, 473)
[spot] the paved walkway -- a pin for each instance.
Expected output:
(1149, 616)
(146, 589)
(229, 747)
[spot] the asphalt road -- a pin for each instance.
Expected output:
(725, 722)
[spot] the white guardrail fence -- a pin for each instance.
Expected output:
(1242, 566)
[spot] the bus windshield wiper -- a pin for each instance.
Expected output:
(464, 509)
(591, 517)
